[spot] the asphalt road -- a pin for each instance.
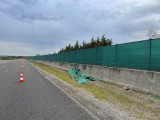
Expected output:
(36, 98)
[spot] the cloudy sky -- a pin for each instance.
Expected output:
(29, 27)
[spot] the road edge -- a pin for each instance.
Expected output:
(98, 111)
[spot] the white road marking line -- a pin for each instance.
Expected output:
(6, 71)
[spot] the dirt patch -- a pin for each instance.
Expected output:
(141, 105)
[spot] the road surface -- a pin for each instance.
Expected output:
(36, 98)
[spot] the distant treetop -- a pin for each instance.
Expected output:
(103, 41)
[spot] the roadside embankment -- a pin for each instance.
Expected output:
(104, 99)
(142, 80)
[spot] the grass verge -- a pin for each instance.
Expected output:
(137, 108)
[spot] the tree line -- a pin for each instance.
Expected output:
(98, 42)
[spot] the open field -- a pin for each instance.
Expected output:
(7, 58)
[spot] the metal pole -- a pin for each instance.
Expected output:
(102, 61)
(116, 55)
(96, 55)
(83, 56)
(75, 57)
(150, 53)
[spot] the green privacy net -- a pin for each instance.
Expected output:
(144, 55)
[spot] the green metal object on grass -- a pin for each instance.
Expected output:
(79, 77)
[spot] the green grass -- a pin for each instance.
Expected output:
(98, 91)
(102, 93)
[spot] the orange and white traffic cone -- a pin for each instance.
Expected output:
(21, 77)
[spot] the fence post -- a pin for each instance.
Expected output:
(102, 56)
(62, 57)
(75, 57)
(83, 56)
(116, 55)
(96, 55)
(150, 53)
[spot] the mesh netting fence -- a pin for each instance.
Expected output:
(135, 55)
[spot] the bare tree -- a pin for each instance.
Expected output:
(153, 34)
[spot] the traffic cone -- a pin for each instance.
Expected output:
(22, 66)
(21, 77)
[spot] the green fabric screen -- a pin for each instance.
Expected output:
(155, 55)
(135, 55)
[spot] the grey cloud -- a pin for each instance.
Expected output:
(39, 16)
(29, 3)
(43, 34)
(25, 10)
(52, 24)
